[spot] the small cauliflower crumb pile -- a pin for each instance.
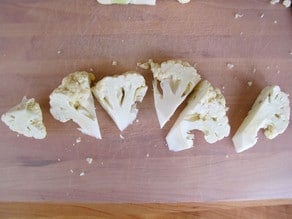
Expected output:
(26, 119)
(286, 3)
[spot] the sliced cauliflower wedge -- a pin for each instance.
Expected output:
(270, 111)
(73, 100)
(26, 118)
(118, 96)
(125, 2)
(173, 82)
(205, 111)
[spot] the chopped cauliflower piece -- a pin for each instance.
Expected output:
(287, 3)
(124, 2)
(73, 100)
(270, 111)
(205, 111)
(26, 119)
(118, 96)
(176, 79)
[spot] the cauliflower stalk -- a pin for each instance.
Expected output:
(176, 80)
(206, 112)
(270, 111)
(73, 100)
(118, 96)
(26, 119)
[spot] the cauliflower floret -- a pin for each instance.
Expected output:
(136, 2)
(177, 79)
(271, 111)
(26, 119)
(206, 112)
(118, 96)
(73, 100)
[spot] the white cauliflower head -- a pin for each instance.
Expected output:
(73, 100)
(176, 79)
(26, 119)
(271, 112)
(118, 96)
(205, 111)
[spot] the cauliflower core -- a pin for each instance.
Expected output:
(118, 96)
(176, 79)
(73, 100)
(26, 119)
(270, 111)
(206, 112)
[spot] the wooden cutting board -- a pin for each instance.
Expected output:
(43, 41)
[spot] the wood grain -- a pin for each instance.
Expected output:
(140, 168)
(194, 210)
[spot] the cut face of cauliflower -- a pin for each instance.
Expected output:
(206, 112)
(73, 100)
(271, 111)
(176, 79)
(26, 119)
(118, 96)
(136, 2)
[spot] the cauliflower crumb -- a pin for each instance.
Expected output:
(17, 135)
(227, 156)
(78, 140)
(262, 15)
(91, 69)
(59, 51)
(237, 15)
(287, 3)
(115, 63)
(230, 66)
(71, 171)
(145, 65)
(183, 1)
(273, 2)
(275, 21)
(89, 160)
(278, 72)
(59, 159)
(82, 174)
(254, 70)
(122, 137)
(137, 120)
(249, 83)
(147, 155)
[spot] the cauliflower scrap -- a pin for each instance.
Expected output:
(177, 79)
(205, 111)
(73, 100)
(26, 119)
(118, 96)
(271, 111)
